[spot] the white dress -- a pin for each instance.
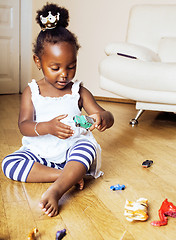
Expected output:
(50, 147)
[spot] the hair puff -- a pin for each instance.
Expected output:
(63, 17)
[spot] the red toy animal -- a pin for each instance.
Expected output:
(166, 209)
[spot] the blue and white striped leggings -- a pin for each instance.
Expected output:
(17, 165)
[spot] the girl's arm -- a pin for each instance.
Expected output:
(27, 122)
(103, 119)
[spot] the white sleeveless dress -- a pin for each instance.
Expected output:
(50, 147)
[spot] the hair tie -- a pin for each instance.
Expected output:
(50, 21)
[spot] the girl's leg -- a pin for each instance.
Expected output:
(24, 166)
(42, 173)
(78, 163)
(70, 175)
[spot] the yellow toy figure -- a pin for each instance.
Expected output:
(136, 210)
(32, 234)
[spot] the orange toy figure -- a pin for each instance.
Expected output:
(166, 209)
(32, 234)
(136, 210)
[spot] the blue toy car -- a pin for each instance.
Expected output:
(83, 121)
(147, 163)
(117, 187)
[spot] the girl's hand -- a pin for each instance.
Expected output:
(103, 119)
(100, 122)
(59, 129)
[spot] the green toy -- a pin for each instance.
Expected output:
(83, 121)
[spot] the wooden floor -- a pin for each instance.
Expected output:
(97, 213)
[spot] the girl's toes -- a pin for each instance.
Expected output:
(51, 213)
(81, 184)
(41, 205)
(49, 210)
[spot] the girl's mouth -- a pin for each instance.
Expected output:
(62, 83)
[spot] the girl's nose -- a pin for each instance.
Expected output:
(64, 74)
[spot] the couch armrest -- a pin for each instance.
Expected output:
(139, 80)
(155, 76)
(130, 50)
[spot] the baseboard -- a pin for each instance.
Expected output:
(118, 100)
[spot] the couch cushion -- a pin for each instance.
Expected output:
(167, 49)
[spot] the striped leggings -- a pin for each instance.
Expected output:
(17, 165)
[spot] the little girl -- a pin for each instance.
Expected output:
(53, 148)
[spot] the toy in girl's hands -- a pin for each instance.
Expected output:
(136, 210)
(60, 234)
(83, 121)
(166, 209)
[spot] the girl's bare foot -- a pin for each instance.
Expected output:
(50, 199)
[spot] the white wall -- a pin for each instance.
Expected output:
(96, 23)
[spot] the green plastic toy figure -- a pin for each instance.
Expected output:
(83, 121)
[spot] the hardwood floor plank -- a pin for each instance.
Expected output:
(78, 223)
(19, 219)
(103, 219)
(12, 191)
(4, 232)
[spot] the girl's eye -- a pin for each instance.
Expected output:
(72, 67)
(55, 69)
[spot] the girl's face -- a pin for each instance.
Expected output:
(58, 63)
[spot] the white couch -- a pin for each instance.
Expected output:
(148, 73)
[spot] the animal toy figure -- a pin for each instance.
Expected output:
(166, 209)
(60, 234)
(136, 210)
(83, 121)
(32, 234)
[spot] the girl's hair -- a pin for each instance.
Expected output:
(54, 35)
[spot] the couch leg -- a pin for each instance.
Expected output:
(134, 121)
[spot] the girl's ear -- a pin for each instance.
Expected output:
(37, 61)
